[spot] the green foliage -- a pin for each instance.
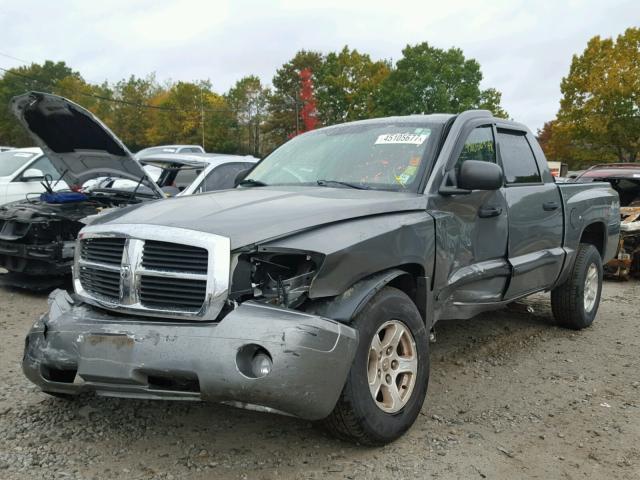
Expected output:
(600, 108)
(432, 80)
(251, 117)
(130, 119)
(490, 100)
(347, 85)
(248, 98)
(45, 77)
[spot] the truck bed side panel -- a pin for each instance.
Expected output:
(587, 204)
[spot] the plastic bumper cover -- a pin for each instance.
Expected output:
(77, 348)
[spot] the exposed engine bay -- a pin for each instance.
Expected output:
(37, 236)
(277, 278)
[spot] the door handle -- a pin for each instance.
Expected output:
(550, 206)
(489, 211)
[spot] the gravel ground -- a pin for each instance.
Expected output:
(511, 396)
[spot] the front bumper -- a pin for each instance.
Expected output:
(77, 348)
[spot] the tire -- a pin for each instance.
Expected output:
(358, 417)
(568, 300)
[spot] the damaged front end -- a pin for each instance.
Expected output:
(168, 320)
(257, 356)
(276, 277)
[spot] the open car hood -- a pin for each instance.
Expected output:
(78, 144)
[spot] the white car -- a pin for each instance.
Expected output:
(219, 174)
(22, 172)
(187, 174)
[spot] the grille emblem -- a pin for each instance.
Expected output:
(125, 272)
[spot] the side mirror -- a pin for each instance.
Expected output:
(477, 175)
(32, 175)
(240, 176)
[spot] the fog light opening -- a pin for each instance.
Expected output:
(254, 361)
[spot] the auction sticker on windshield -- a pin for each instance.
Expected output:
(406, 138)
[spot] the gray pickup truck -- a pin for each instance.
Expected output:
(312, 287)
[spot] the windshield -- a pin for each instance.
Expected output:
(383, 156)
(11, 161)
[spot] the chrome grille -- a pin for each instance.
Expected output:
(103, 250)
(172, 256)
(105, 283)
(161, 272)
(163, 292)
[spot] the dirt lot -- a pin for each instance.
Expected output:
(511, 396)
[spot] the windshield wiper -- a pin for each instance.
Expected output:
(326, 183)
(250, 182)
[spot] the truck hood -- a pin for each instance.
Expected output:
(78, 144)
(251, 215)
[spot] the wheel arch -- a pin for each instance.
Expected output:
(595, 234)
(409, 278)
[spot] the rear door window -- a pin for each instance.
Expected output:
(186, 176)
(518, 161)
(223, 177)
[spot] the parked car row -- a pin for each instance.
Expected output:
(312, 287)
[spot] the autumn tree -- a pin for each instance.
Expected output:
(284, 104)
(558, 141)
(248, 99)
(428, 80)
(347, 86)
(600, 107)
(187, 113)
(131, 118)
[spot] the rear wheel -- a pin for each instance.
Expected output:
(575, 302)
(387, 384)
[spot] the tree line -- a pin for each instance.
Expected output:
(598, 119)
(254, 118)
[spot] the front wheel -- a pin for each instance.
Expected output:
(387, 383)
(575, 302)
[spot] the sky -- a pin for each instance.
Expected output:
(524, 47)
